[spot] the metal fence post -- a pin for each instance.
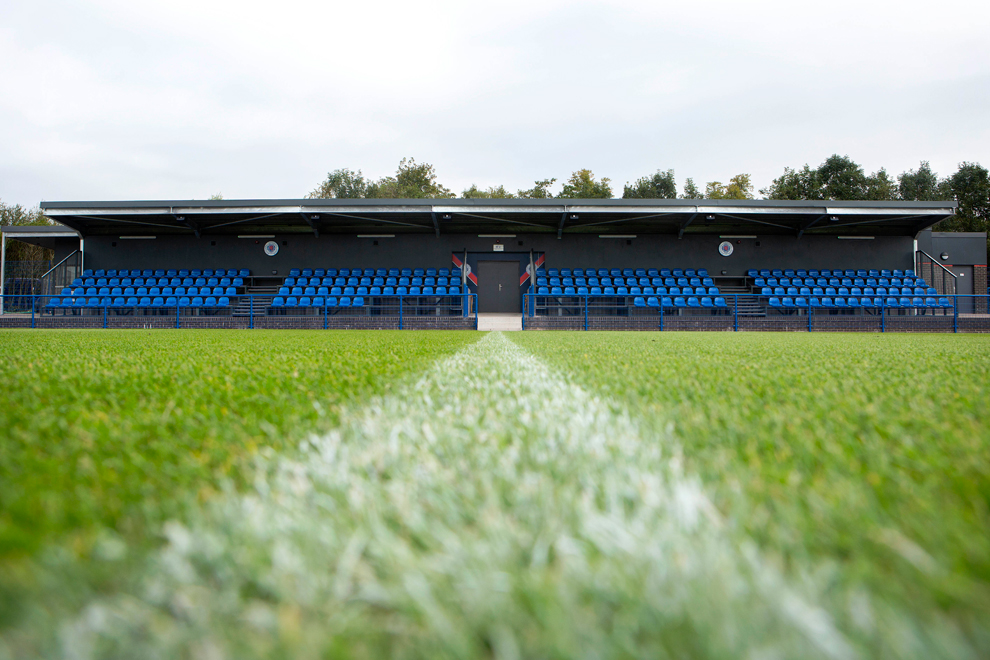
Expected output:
(661, 313)
(735, 312)
(586, 313)
(955, 313)
(474, 301)
(525, 309)
(400, 312)
(177, 310)
(325, 325)
(32, 310)
(251, 312)
(104, 314)
(809, 313)
(883, 316)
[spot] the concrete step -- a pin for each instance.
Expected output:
(490, 321)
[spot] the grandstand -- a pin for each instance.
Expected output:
(644, 264)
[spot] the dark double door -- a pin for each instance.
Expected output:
(498, 287)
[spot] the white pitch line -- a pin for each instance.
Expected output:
(492, 500)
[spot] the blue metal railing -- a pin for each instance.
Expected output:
(102, 310)
(741, 309)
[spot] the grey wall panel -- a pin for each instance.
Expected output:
(405, 251)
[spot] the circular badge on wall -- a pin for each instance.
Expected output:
(271, 248)
(725, 248)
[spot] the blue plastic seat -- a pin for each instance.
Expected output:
(852, 302)
(171, 301)
(827, 302)
(652, 301)
(787, 301)
(775, 301)
(305, 301)
(158, 302)
(292, 301)
(693, 301)
(197, 301)
(706, 301)
(639, 301)
(344, 302)
(840, 302)
(945, 302)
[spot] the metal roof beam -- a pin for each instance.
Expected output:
(436, 223)
(311, 219)
(686, 224)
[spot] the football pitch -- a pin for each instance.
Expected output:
(228, 494)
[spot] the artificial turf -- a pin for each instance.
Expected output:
(858, 464)
(860, 454)
(120, 430)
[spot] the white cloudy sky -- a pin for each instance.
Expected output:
(118, 99)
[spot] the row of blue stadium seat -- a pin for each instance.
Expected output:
(208, 272)
(838, 272)
(848, 291)
(374, 272)
(158, 281)
(627, 291)
(623, 272)
(150, 291)
(914, 302)
(681, 301)
(371, 281)
(146, 301)
(625, 281)
(839, 281)
(369, 291)
(318, 301)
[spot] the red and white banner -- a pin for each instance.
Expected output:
(465, 268)
(525, 276)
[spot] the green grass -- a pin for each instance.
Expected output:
(864, 455)
(858, 464)
(120, 430)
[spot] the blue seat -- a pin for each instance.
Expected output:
(853, 302)
(944, 302)
(197, 301)
(706, 301)
(158, 302)
(305, 301)
(890, 302)
(801, 302)
(292, 301)
(787, 301)
(904, 302)
(775, 302)
(693, 301)
(679, 301)
(652, 301)
(840, 302)
(357, 301)
(54, 302)
(827, 302)
(639, 301)
(344, 302)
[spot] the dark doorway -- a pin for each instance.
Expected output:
(498, 286)
(964, 287)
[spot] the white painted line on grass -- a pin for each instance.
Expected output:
(493, 508)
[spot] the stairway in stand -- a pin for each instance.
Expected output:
(263, 296)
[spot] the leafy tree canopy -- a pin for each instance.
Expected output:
(839, 178)
(492, 192)
(690, 190)
(341, 184)
(739, 187)
(661, 185)
(923, 185)
(582, 185)
(20, 215)
(540, 190)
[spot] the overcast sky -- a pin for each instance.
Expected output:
(180, 99)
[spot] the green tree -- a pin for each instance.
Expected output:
(923, 185)
(492, 192)
(218, 196)
(739, 187)
(970, 187)
(661, 185)
(19, 215)
(839, 178)
(880, 187)
(540, 190)
(412, 180)
(691, 190)
(582, 185)
(341, 184)
(795, 184)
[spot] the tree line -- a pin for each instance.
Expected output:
(838, 178)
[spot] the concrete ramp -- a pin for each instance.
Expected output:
(493, 321)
